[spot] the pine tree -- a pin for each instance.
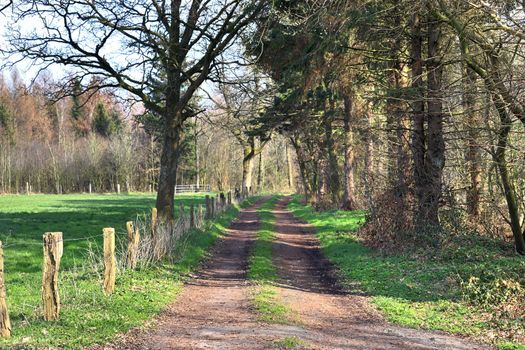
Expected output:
(77, 110)
(7, 123)
(106, 123)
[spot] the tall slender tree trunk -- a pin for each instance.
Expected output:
(418, 115)
(197, 158)
(289, 163)
(322, 174)
(332, 181)
(260, 172)
(473, 151)
(247, 168)
(368, 158)
(307, 189)
(349, 201)
(506, 181)
(435, 161)
(398, 146)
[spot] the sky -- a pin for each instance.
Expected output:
(27, 71)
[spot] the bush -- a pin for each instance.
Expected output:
(490, 293)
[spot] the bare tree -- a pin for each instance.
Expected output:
(239, 109)
(5, 6)
(159, 51)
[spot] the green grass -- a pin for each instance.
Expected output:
(412, 290)
(263, 272)
(290, 343)
(87, 316)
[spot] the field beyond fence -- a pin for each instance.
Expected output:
(92, 305)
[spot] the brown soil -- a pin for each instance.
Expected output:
(214, 309)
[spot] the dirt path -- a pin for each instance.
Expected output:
(214, 310)
(332, 317)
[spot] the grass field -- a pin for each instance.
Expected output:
(430, 292)
(87, 316)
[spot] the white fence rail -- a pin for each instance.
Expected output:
(192, 188)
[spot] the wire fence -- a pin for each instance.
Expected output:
(147, 241)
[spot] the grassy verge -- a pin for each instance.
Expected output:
(87, 316)
(436, 293)
(263, 272)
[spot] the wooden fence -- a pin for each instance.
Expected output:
(162, 236)
(192, 188)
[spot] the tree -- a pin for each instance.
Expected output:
(484, 53)
(239, 109)
(7, 124)
(167, 50)
(105, 123)
(79, 117)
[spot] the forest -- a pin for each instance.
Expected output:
(406, 116)
(370, 109)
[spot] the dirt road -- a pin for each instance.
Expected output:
(214, 310)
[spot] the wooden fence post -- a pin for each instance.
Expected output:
(208, 207)
(154, 238)
(110, 262)
(223, 200)
(213, 206)
(229, 197)
(192, 215)
(153, 220)
(201, 215)
(53, 249)
(5, 322)
(181, 212)
(133, 245)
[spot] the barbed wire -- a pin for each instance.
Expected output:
(88, 238)
(177, 225)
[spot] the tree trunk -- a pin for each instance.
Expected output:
(435, 158)
(349, 202)
(322, 173)
(307, 189)
(473, 151)
(418, 115)
(197, 159)
(506, 181)
(247, 168)
(260, 172)
(168, 174)
(332, 177)
(289, 163)
(368, 157)
(398, 147)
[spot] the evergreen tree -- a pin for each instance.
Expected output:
(7, 123)
(77, 109)
(106, 123)
(79, 116)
